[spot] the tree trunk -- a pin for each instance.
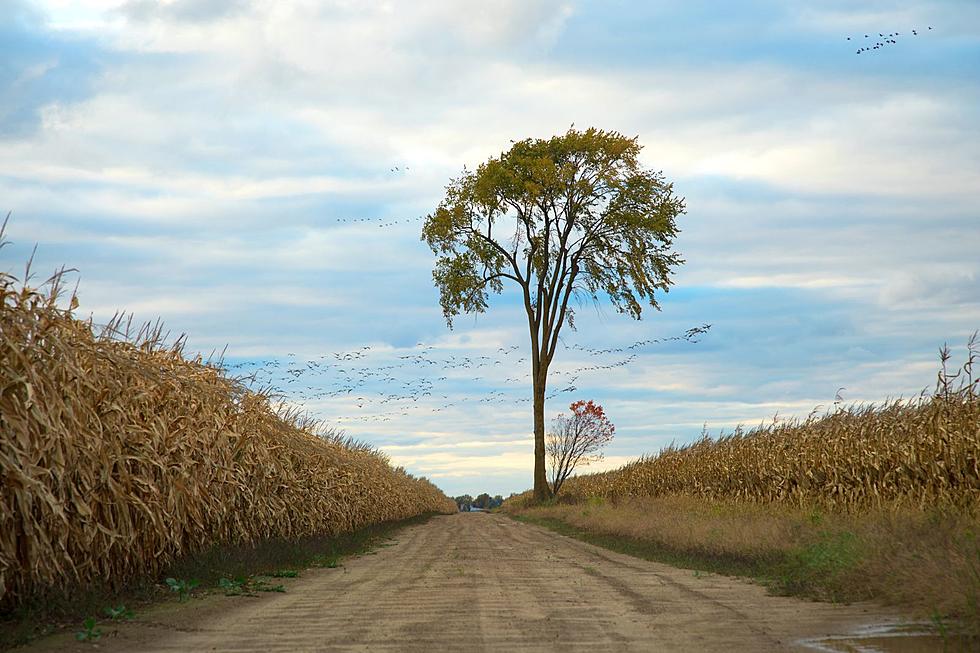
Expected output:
(542, 491)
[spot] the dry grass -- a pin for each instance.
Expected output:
(118, 455)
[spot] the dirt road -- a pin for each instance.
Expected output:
(482, 582)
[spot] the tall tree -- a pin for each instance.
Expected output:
(574, 214)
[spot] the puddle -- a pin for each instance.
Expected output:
(891, 638)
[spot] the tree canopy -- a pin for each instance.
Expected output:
(577, 439)
(575, 213)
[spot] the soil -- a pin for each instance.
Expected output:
(483, 582)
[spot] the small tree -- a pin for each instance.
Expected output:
(576, 439)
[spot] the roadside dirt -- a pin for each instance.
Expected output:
(482, 582)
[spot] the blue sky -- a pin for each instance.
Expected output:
(202, 161)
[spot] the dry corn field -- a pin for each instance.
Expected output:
(920, 452)
(118, 455)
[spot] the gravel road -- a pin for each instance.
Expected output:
(482, 582)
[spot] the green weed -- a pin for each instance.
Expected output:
(90, 632)
(234, 587)
(182, 587)
(119, 612)
(285, 573)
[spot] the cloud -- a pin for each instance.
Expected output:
(40, 67)
(193, 11)
(950, 285)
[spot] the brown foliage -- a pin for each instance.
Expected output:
(118, 455)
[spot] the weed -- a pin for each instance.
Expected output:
(182, 587)
(90, 632)
(118, 612)
(234, 587)
(285, 573)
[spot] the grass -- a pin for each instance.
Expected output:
(925, 561)
(89, 632)
(240, 567)
(284, 573)
(118, 612)
(247, 586)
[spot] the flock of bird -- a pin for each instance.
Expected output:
(380, 222)
(884, 40)
(383, 384)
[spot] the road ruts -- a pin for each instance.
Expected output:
(482, 582)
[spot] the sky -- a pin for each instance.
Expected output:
(254, 173)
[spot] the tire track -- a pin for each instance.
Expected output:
(482, 582)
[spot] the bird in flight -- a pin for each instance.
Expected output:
(886, 40)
